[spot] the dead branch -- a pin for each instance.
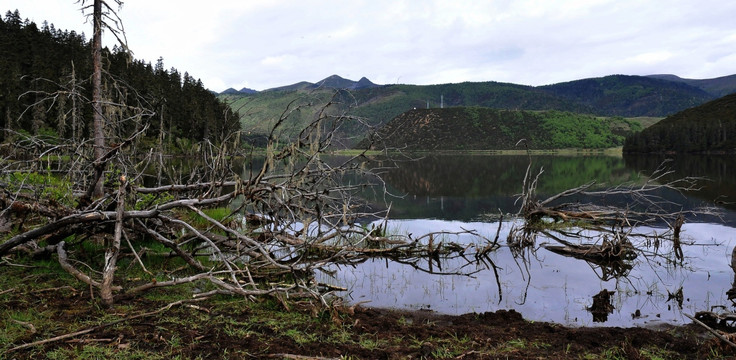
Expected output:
(308, 216)
(25, 324)
(158, 284)
(7, 291)
(706, 327)
(97, 216)
(63, 261)
(171, 245)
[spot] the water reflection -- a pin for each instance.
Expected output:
(467, 187)
(545, 286)
(458, 192)
(718, 172)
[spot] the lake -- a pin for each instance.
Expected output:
(467, 192)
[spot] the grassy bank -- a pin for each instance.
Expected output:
(40, 301)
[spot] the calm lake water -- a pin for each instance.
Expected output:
(452, 193)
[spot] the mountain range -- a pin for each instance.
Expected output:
(715, 87)
(330, 82)
(652, 97)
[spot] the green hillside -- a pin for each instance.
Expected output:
(384, 103)
(378, 105)
(260, 112)
(616, 95)
(478, 128)
(710, 127)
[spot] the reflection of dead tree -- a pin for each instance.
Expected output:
(602, 306)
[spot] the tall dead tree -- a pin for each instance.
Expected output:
(101, 11)
(98, 120)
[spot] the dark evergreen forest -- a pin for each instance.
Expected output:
(708, 128)
(45, 89)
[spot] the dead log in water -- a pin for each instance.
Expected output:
(600, 254)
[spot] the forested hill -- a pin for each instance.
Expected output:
(720, 86)
(45, 86)
(708, 128)
(621, 95)
(478, 128)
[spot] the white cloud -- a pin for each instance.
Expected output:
(281, 61)
(271, 43)
(651, 58)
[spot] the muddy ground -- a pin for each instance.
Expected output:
(227, 328)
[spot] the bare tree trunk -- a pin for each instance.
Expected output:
(98, 121)
(160, 144)
(113, 250)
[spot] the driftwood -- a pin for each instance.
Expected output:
(605, 253)
(644, 205)
(723, 321)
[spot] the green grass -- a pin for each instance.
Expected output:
(516, 345)
(43, 186)
(218, 214)
(301, 337)
(370, 342)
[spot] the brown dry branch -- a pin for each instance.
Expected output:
(3, 292)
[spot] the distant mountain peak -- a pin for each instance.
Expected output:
(331, 82)
(230, 91)
(364, 83)
(335, 81)
(670, 77)
(243, 91)
(718, 87)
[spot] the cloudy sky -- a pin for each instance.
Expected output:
(261, 44)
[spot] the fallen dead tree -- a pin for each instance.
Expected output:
(599, 224)
(260, 229)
